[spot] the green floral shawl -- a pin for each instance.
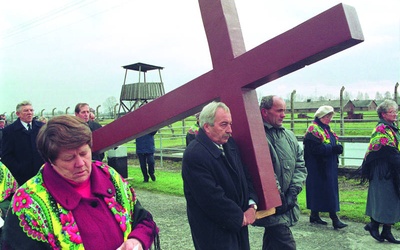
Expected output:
(43, 219)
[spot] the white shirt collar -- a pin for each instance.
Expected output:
(26, 125)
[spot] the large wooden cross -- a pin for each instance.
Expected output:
(234, 77)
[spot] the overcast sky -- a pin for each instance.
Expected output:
(59, 53)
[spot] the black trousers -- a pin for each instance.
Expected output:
(145, 160)
(278, 237)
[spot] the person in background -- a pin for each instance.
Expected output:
(321, 151)
(82, 110)
(193, 130)
(290, 173)
(381, 169)
(19, 151)
(145, 150)
(92, 116)
(74, 202)
(4, 118)
(2, 125)
(42, 119)
(8, 186)
(221, 201)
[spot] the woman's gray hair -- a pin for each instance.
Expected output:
(207, 114)
(385, 106)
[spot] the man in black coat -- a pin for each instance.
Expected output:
(19, 151)
(221, 201)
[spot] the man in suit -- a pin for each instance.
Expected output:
(82, 110)
(221, 201)
(19, 151)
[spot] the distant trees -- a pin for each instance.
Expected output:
(388, 95)
(378, 96)
(360, 96)
(346, 95)
(109, 105)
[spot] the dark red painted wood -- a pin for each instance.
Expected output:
(235, 75)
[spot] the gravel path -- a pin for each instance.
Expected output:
(169, 212)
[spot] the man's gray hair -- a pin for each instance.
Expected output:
(24, 103)
(207, 114)
(267, 102)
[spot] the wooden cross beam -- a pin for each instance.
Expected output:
(234, 77)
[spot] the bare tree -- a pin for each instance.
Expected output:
(346, 95)
(378, 96)
(109, 105)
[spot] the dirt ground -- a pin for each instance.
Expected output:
(169, 212)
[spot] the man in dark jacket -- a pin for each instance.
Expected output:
(19, 151)
(290, 172)
(221, 201)
(82, 110)
(145, 150)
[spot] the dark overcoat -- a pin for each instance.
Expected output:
(145, 144)
(217, 194)
(19, 152)
(322, 191)
(381, 167)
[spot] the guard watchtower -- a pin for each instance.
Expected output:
(134, 95)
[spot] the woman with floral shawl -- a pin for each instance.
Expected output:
(74, 202)
(321, 151)
(8, 185)
(381, 168)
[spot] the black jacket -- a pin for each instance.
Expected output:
(217, 194)
(19, 152)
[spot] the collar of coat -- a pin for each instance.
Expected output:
(210, 145)
(65, 194)
(269, 126)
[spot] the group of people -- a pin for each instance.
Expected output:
(57, 194)
(66, 198)
(380, 169)
(221, 201)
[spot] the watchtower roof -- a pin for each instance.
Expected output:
(143, 67)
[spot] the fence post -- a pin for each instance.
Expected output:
(183, 131)
(161, 151)
(292, 110)
(342, 121)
